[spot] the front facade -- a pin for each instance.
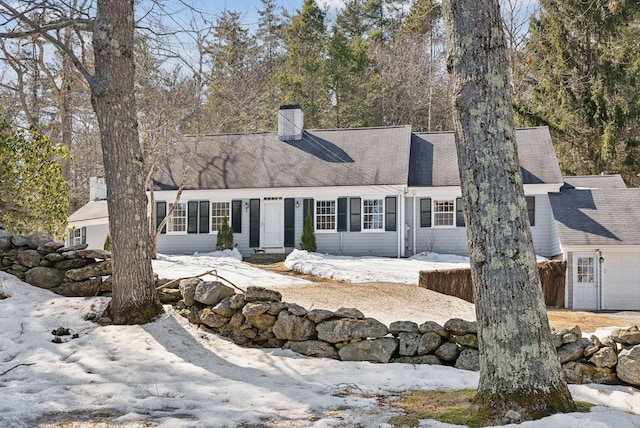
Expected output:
(371, 191)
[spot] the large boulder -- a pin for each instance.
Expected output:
(260, 294)
(211, 292)
(90, 271)
(582, 373)
(448, 351)
(94, 254)
(36, 239)
(374, 350)
(571, 351)
(398, 327)
(44, 277)
(469, 359)
(408, 343)
(628, 368)
(188, 289)
(88, 288)
(429, 342)
(605, 357)
(28, 258)
(19, 241)
(626, 336)
(344, 329)
(223, 308)
(74, 263)
(292, 327)
(432, 326)
(461, 327)
(211, 319)
(257, 315)
(314, 348)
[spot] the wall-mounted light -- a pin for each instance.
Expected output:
(246, 206)
(297, 204)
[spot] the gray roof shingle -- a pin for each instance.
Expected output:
(597, 216)
(434, 160)
(613, 181)
(341, 157)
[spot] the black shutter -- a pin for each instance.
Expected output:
(192, 217)
(425, 212)
(204, 217)
(342, 214)
(83, 231)
(531, 209)
(459, 213)
(254, 223)
(354, 218)
(289, 222)
(390, 214)
(161, 213)
(236, 216)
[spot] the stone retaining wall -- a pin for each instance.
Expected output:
(70, 271)
(258, 317)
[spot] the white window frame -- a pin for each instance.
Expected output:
(175, 220)
(76, 237)
(212, 230)
(374, 215)
(586, 269)
(330, 217)
(439, 213)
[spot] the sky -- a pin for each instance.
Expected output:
(169, 373)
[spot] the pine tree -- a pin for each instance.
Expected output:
(225, 236)
(581, 65)
(107, 243)
(308, 238)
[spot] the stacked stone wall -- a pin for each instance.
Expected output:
(258, 317)
(71, 271)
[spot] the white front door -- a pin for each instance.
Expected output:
(585, 282)
(273, 235)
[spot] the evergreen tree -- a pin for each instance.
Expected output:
(582, 66)
(33, 192)
(107, 243)
(308, 238)
(225, 236)
(302, 79)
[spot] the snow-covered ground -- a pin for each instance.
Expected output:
(169, 373)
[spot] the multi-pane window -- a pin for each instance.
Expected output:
(372, 214)
(77, 236)
(325, 215)
(444, 213)
(586, 269)
(178, 219)
(219, 212)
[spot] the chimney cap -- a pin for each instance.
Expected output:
(290, 107)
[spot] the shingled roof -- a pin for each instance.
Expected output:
(337, 157)
(434, 160)
(613, 181)
(597, 216)
(340, 157)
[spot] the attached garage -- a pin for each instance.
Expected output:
(621, 280)
(599, 234)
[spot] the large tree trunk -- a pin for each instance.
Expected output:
(134, 298)
(519, 368)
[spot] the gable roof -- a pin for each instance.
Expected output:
(92, 210)
(434, 160)
(339, 157)
(613, 181)
(597, 216)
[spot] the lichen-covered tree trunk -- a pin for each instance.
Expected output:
(134, 298)
(519, 368)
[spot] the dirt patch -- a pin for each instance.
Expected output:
(388, 302)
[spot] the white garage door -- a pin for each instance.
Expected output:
(621, 288)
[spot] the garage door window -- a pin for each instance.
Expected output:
(586, 269)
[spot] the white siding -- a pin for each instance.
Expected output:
(545, 237)
(96, 235)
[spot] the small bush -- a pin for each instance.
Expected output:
(308, 237)
(225, 237)
(107, 243)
